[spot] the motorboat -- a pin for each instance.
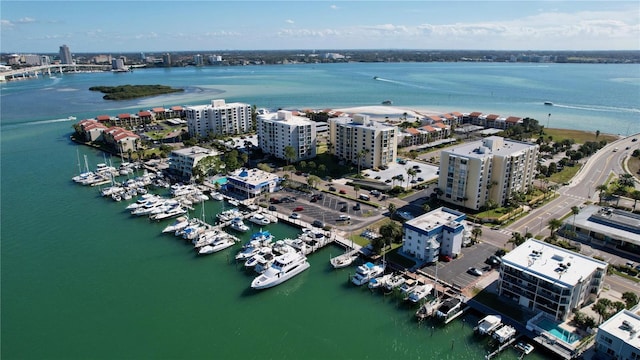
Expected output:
(488, 324)
(263, 238)
(396, 281)
(280, 248)
(259, 219)
(449, 308)
(524, 347)
(219, 243)
(180, 223)
(253, 261)
(170, 213)
(420, 292)
(407, 287)
(548, 103)
(299, 244)
(229, 215)
(343, 260)
(238, 225)
(366, 272)
(264, 262)
(504, 333)
(284, 267)
(379, 281)
(217, 196)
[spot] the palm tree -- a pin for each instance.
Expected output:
(516, 239)
(554, 224)
(626, 180)
(356, 188)
(597, 134)
(602, 190)
(575, 210)
(392, 209)
(411, 173)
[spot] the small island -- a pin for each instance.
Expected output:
(126, 92)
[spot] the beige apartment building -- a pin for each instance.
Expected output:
(219, 118)
(362, 141)
(489, 169)
(278, 130)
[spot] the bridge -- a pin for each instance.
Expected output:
(35, 71)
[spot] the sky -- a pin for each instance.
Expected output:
(159, 25)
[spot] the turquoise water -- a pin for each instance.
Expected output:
(557, 331)
(82, 279)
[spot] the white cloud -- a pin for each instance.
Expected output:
(333, 7)
(25, 20)
(289, 21)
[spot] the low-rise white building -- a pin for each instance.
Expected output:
(278, 130)
(619, 337)
(182, 162)
(252, 182)
(548, 278)
(438, 232)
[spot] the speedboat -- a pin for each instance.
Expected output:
(284, 267)
(259, 219)
(343, 260)
(395, 281)
(380, 281)
(217, 196)
(238, 225)
(299, 244)
(219, 243)
(264, 262)
(407, 287)
(366, 272)
(180, 223)
(420, 292)
(524, 347)
(449, 308)
(488, 324)
(229, 215)
(253, 261)
(548, 103)
(172, 212)
(505, 333)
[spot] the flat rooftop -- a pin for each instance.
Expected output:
(553, 263)
(436, 218)
(625, 325)
(253, 176)
(194, 151)
(617, 224)
(498, 146)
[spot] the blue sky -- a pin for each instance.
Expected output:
(156, 26)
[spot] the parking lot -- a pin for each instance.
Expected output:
(456, 272)
(328, 209)
(424, 172)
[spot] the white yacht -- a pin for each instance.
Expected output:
(179, 224)
(264, 262)
(420, 292)
(407, 287)
(366, 272)
(380, 281)
(343, 260)
(396, 281)
(238, 225)
(283, 268)
(299, 244)
(259, 219)
(217, 196)
(170, 213)
(220, 243)
(229, 215)
(253, 261)
(488, 324)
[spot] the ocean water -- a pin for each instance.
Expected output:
(82, 279)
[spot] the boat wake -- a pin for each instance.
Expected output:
(401, 83)
(597, 108)
(38, 122)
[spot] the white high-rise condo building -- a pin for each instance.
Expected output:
(490, 169)
(278, 130)
(219, 118)
(362, 141)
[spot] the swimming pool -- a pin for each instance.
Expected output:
(221, 181)
(560, 333)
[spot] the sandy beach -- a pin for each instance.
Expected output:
(381, 112)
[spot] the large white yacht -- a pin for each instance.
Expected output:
(283, 268)
(366, 272)
(238, 225)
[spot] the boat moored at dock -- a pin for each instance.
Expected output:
(283, 268)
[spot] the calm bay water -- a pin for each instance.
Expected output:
(83, 279)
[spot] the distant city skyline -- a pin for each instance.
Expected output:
(144, 26)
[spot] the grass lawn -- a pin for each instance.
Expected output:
(579, 136)
(634, 165)
(567, 173)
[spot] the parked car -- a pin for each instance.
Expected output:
(378, 177)
(356, 207)
(343, 208)
(375, 192)
(474, 271)
(343, 191)
(295, 216)
(299, 208)
(317, 223)
(332, 188)
(344, 218)
(445, 258)
(272, 208)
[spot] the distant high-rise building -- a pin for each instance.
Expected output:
(65, 55)
(197, 60)
(166, 59)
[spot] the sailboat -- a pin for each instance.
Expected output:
(350, 255)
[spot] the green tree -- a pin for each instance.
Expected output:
(392, 232)
(289, 154)
(477, 231)
(554, 224)
(392, 209)
(602, 191)
(313, 181)
(575, 211)
(356, 188)
(630, 298)
(426, 207)
(601, 307)
(635, 195)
